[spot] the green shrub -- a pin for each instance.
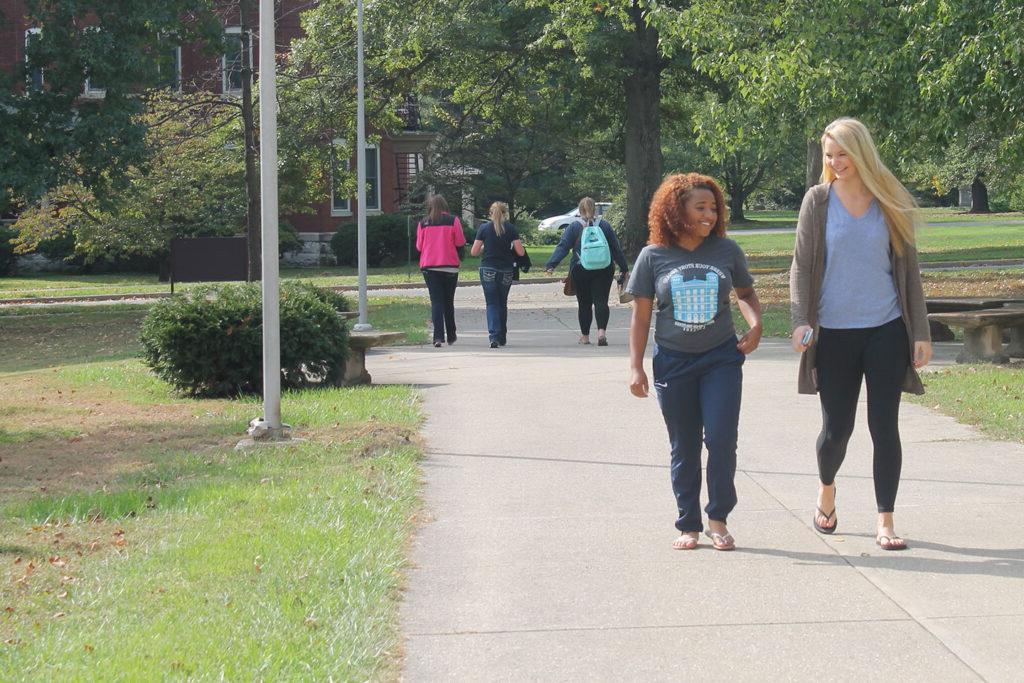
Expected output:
(389, 241)
(7, 257)
(287, 238)
(209, 341)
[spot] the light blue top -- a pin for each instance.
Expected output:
(858, 290)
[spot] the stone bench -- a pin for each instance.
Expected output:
(940, 331)
(358, 343)
(983, 333)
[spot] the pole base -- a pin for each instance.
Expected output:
(260, 430)
(362, 327)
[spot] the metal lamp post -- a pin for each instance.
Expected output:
(363, 324)
(269, 426)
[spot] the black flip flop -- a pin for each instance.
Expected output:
(892, 543)
(825, 529)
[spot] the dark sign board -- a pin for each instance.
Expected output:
(209, 259)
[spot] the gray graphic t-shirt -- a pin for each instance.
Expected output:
(691, 289)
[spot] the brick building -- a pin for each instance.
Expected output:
(391, 165)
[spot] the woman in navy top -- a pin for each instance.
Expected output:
(499, 242)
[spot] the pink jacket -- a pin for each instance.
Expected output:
(437, 244)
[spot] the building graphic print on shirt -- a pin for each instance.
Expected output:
(695, 298)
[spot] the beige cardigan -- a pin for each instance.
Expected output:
(807, 275)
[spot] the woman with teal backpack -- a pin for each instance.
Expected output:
(594, 248)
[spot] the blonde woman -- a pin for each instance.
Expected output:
(592, 286)
(499, 242)
(858, 312)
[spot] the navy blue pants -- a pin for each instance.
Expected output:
(441, 287)
(496, 284)
(699, 395)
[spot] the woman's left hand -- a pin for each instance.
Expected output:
(922, 354)
(750, 341)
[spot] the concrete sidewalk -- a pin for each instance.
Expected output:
(545, 553)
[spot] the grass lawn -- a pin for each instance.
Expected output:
(935, 243)
(63, 284)
(136, 543)
(989, 396)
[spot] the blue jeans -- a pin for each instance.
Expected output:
(699, 395)
(496, 284)
(441, 287)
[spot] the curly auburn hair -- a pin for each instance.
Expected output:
(667, 217)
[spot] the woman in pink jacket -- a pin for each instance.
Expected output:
(438, 238)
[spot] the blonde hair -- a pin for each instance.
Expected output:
(587, 208)
(499, 216)
(901, 212)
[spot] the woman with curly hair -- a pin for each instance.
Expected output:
(858, 312)
(689, 267)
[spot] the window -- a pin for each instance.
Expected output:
(170, 69)
(339, 206)
(35, 76)
(94, 87)
(343, 207)
(231, 61)
(372, 178)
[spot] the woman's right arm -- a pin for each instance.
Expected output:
(478, 246)
(800, 275)
(639, 330)
(419, 237)
(564, 245)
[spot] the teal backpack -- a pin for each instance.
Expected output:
(595, 254)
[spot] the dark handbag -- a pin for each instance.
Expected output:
(567, 287)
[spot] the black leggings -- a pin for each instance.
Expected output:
(879, 355)
(592, 288)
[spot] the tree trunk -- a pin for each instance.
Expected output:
(642, 130)
(737, 198)
(735, 185)
(253, 229)
(813, 171)
(979, 196)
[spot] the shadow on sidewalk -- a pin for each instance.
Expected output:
(1002, 562)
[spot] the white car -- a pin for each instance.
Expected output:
(559, 223)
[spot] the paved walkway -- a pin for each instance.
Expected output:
(545, 549)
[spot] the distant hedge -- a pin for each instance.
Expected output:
(209, 341)
(387, 243)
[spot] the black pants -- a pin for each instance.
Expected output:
(441, 287)
(880, 356)
(592, 288)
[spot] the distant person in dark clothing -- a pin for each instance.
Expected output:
(499, 242)
(438, 238)
(592, 286)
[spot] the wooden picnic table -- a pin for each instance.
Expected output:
(983, 333)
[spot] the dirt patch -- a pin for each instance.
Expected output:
(60, 441)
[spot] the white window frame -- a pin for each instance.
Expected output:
(348, 202)
(339, 212)
(224, 86)
(34, 31)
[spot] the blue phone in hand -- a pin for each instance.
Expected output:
(808, 336)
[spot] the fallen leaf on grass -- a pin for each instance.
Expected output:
(88, 647)
(58, 561)
(59, 615)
